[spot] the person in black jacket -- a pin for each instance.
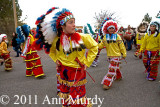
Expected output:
(16, 44)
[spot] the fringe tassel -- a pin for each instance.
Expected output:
(7, 59)
(62, 95)
(80, 83)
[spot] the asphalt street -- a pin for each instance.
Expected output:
(134, 90)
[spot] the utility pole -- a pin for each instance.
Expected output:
(15, 16)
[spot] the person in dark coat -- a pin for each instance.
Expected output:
(16, 44)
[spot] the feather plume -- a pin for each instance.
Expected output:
(48, 32)
(90, 28)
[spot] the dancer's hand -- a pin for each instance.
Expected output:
(57, 64)
(85, 67)
(123, 57)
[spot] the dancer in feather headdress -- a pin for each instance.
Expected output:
(151, 48)
(141, 30)
(32, 59)
(115, 48)
(67, 50)
(4, 53)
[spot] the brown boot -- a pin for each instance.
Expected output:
(118, 79)
(41, 77)
(106, 87)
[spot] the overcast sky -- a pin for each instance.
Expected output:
(130, 12)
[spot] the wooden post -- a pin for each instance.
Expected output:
(15, 16)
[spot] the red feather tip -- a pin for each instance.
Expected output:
(53, 8)
(37, 22)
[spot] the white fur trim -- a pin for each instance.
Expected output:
(1, 36)
(66, 44)
(73, 44)
(112, 73)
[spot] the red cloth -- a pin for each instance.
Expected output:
(153, 72)
(34, 66)
(68, 74)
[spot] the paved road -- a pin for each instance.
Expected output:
(132, 91)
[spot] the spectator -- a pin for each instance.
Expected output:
(129, 34)
(16, 44)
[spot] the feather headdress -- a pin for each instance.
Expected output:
(85, 30)
(106, 24)
(23, 32)
(100, 30)
(142, 28)
(155, 22)
(2, 36)
(88, 30)
(47, 31)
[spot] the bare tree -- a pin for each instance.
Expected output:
(99, 17)
(158, 15)
(147, 18)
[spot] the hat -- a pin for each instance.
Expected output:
(155, 22)
(2, 36)
(88, 30)
(108, 23)
(121, 27)
(47, 31)
(142, 28)
(23, 32)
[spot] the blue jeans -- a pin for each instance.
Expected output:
(17, 49)
(129, 44)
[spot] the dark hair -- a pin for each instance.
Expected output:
(59, 32)
(15, 34)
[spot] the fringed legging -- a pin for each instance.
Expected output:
(33, 65)
(58, 74)
(137, 50)
(113, 72)
(151, 61)
(98, 54)
(8, 61)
